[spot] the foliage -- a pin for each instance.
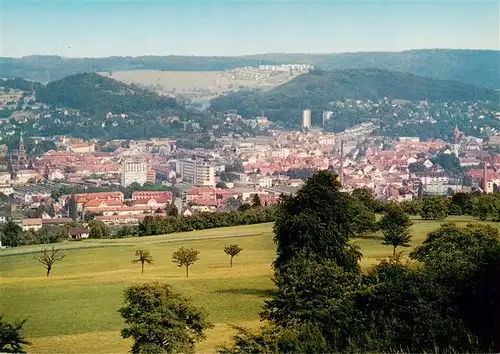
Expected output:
(49, 257)
(365, 196)
(449, 163)
(256, 201)
(273, 340)
(221, 185)
(125, 231)
(232, 250)
(72, 207)
(318, 88)
(477, 67)
(161, 321)
(318, 221)
(172, 210)
(11, 339)
(466, 262)
(434, 208)
(143, 256)
(98, 229)
(95, 94)
(413, 207)
(462, 203)
(11, 234)
(185, 257)
(395, 225)
(158, 225)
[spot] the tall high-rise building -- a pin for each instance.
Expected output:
(306, 119)
(200, 173)
(327, 115)
(133, 170)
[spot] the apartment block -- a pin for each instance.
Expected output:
(133, 170)
(200, 173)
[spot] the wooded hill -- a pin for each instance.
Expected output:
(476, 67)
(316, 89)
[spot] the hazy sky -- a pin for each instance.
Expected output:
(87, 28)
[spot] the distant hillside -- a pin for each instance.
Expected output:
(318, 88)
(476, 67)
(95, 94)
(20, 84)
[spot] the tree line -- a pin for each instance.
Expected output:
(445, 297)
(437, 300)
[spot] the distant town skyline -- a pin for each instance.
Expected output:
(231, 28)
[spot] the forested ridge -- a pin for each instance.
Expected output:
(476, 67)
(317, 89)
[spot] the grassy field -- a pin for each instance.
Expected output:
(75, 309)
(186, 81)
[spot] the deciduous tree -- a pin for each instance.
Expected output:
(161, 321)
(434, 208)
(143, 256)
(395, 225)
(49, 257)
(185, 257)
(11, 234)
(318, 220)
(232, 250)
(11, 339)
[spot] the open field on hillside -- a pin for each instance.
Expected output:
(184, 82)
(75, 309)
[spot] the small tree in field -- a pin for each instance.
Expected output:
(11, 340)
(49, 257)
(161, 321)
(143, 256)
(184, 257)
(232, 250)
(395, 226)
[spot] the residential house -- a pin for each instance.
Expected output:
(31, 224)
(77, 233)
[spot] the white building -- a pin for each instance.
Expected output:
(200, 173)
(133, 170)
(306, 119)
(327, 115)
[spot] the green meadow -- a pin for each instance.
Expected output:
(75, 309)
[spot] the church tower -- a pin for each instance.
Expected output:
(21, 153)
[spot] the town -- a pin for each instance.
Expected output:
(237, 177)
(233, 172)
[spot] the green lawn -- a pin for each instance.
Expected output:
(75, 309)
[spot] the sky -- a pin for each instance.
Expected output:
(86, 28)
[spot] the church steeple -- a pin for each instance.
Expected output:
(456, 135)
(21, 153)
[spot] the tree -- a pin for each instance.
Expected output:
(244, 207)
(172, 210)
(434, 208)
(221, 185)
(11, 339)
(464, 262)
(320, 220)
(125, 231)
(161, 321)
(98, 229)
(72, 207)
(49, 257)
(395, 226)
(11, 234)
(256, 201)
(232, 250)
(143, 256)
(185, 257)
